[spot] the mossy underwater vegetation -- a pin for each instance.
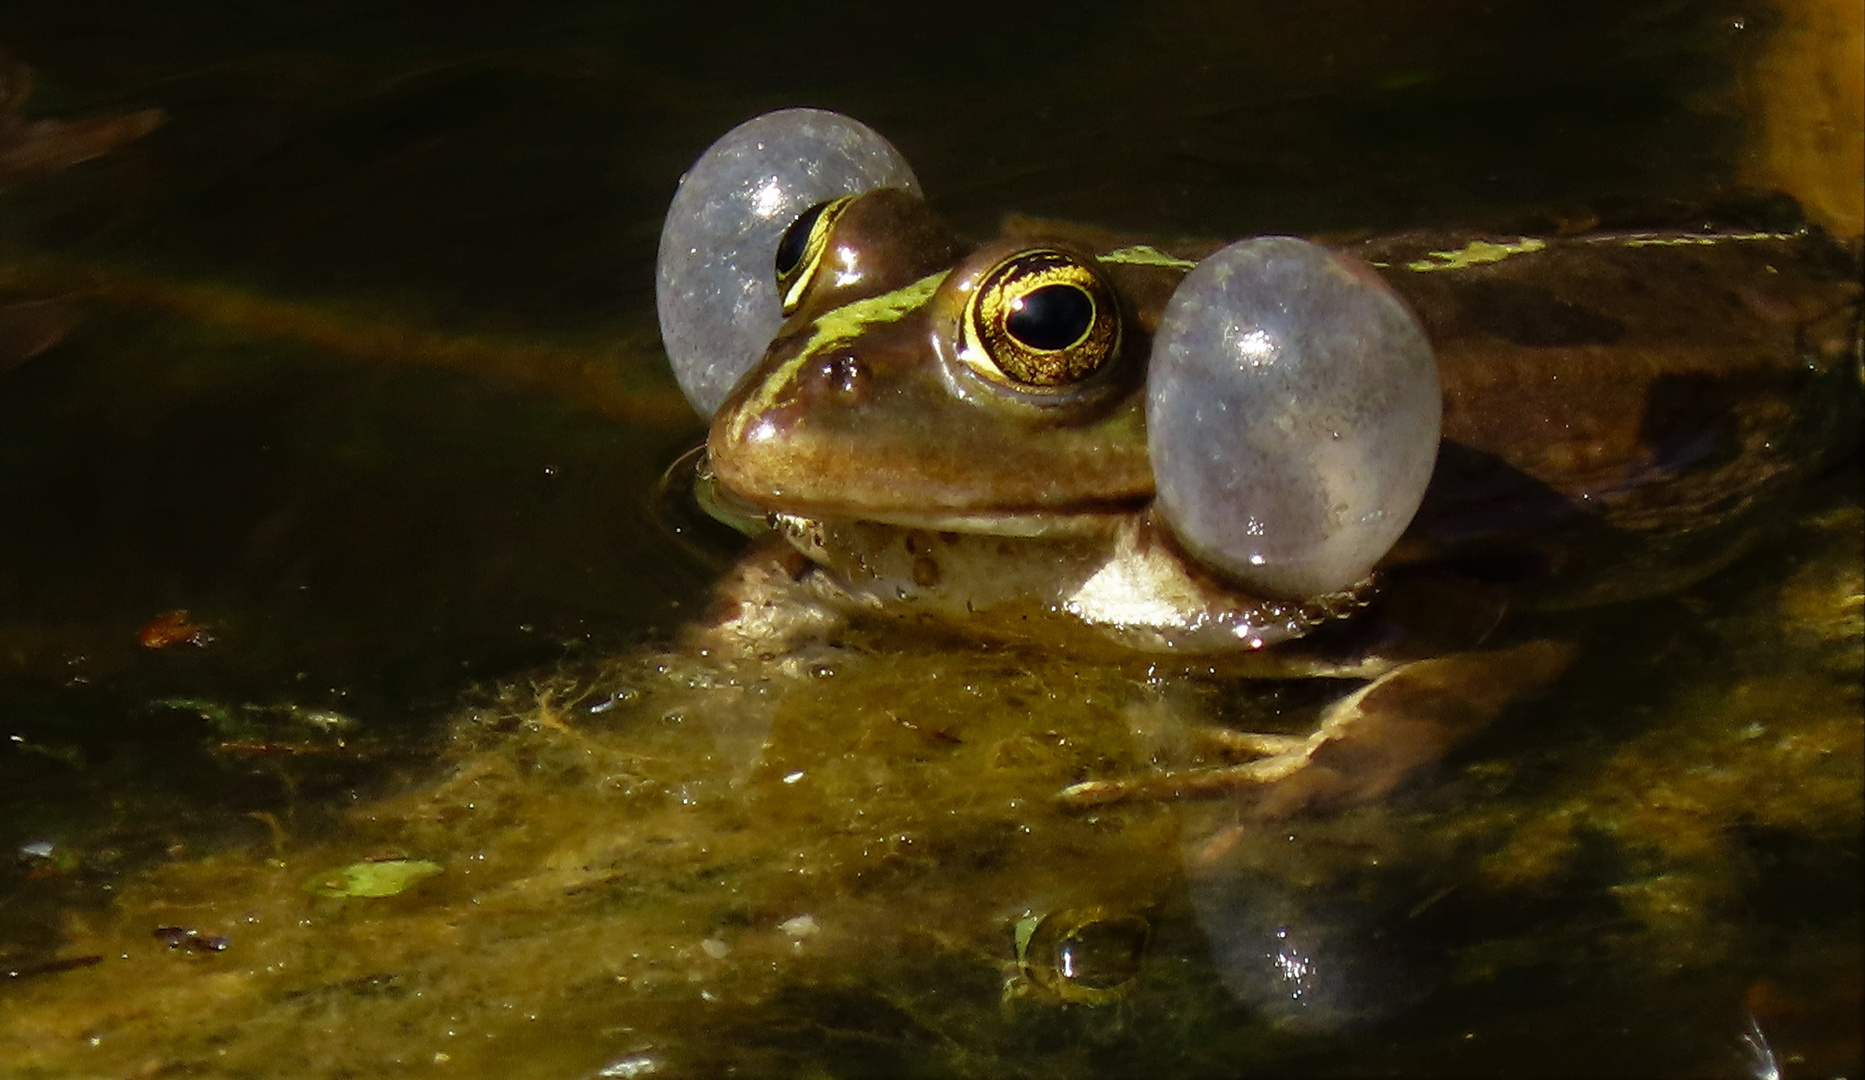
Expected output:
(807, 864)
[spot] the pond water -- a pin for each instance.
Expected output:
(353, 360)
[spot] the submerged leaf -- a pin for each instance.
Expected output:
(372, 879)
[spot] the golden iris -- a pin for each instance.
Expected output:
(1040, 321)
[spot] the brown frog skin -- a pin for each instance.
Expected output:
(1620, 413)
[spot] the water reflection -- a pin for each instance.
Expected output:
(1313, 958)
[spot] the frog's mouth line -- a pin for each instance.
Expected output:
(729, 508)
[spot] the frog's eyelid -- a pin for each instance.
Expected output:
(793, 282)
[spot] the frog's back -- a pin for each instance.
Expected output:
(1630, 405)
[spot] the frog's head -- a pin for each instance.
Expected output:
(921, 381)
(860, 361)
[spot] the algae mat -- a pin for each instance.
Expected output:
(667, 864)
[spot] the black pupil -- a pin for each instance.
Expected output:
(1052, 317)
(796, 239)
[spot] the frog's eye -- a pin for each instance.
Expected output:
(1040, 321)
(800, 249)
(730, 224)
(1292, 415)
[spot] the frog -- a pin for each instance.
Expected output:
(968, 433)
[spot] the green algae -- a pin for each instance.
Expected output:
(807, 864)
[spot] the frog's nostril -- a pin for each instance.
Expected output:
(844, 375)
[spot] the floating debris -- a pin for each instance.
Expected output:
(34, 147)
(176, 937)
(173, 628)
